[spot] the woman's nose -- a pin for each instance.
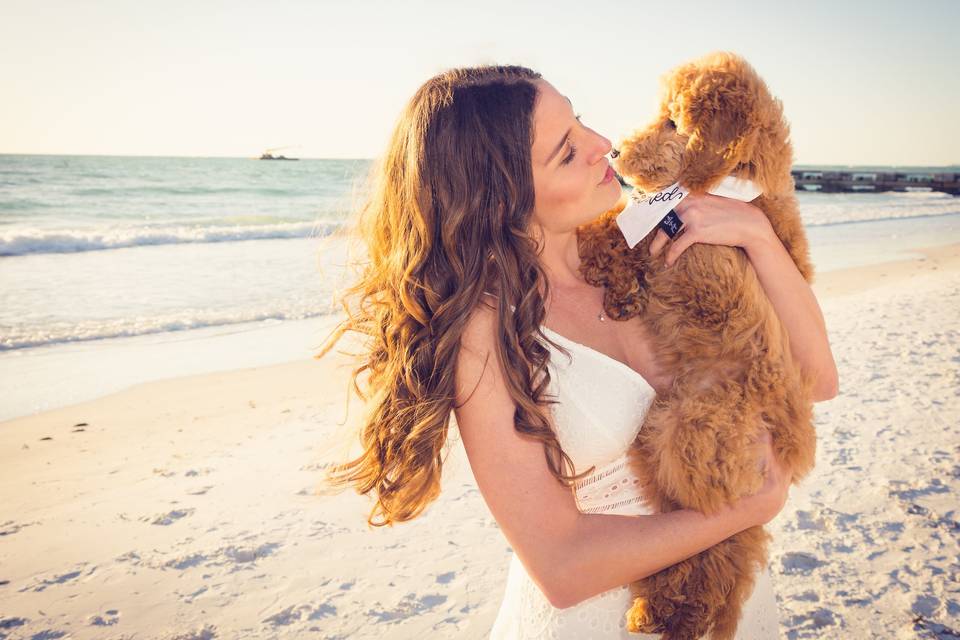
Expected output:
(602, 146)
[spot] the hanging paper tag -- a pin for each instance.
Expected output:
(645, 212)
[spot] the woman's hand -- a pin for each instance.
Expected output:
(713, 220)
(772, 496)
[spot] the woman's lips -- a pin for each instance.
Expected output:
(610, 175)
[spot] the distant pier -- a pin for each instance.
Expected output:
(833, 180)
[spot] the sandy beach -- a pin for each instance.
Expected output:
(188, 508)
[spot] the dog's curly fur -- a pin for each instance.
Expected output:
(714, 330)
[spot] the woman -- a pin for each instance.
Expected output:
(473, 305)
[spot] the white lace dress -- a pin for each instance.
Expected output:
(602, 402)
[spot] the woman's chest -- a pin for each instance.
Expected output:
(598, 404)
(627, 341)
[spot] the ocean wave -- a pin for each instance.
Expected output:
(13, 204)
(866, 217)
(12, 338)
(40, 241)
(293, 192)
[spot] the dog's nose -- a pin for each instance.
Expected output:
(614, 153)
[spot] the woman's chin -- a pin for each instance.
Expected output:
(614, 193)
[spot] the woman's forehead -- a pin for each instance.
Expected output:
(550, 121)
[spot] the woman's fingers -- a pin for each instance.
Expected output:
(680, 243)
(659, 240)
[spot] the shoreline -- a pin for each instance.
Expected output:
(247, 345)
(840, 282)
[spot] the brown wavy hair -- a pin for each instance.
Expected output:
(447, 220)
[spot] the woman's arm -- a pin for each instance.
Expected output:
(795, 304)
(717, 220)
(570, 555)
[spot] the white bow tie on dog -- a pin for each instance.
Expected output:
(644, 213)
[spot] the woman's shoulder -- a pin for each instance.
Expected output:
(481, 324)
(477, 360)
(480, 330)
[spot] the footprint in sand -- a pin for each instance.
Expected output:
(208, 632)
(10, 527)
(190, 597)
(169, 518)
(445, 578)
(939, 631)
(808, 625)
(42, 585)
(185, 562)
(11, 623)
(239, 557)
(109, 617)
(807, 520)
(200, 491)
(296, 613)
(800, 563)
(410, 605)
(909, 493)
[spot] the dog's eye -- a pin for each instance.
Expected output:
(671, 123)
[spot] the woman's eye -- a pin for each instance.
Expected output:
(573, 149)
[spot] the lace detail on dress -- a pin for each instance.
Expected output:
(601, 402)
(536, 612)
(610, 489)
(526, 613)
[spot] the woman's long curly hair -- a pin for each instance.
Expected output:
(446, 221)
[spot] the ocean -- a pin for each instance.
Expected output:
(101, 249)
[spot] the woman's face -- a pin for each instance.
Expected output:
(572, 179)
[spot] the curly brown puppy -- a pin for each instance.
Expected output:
(714, 330)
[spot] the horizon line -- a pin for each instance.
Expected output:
(252, 157)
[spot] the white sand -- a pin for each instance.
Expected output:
(184, 508)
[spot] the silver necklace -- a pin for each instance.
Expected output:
(600, 316)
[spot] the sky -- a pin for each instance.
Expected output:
(861, 83)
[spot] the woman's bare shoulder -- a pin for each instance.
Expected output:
(477, 352)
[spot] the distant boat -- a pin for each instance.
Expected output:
(270, 156)
(267, 155)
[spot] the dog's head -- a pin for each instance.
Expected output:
(716, 118)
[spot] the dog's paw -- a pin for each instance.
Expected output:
(640, 618)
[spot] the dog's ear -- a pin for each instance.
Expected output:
(720, 116)
(772, 158)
